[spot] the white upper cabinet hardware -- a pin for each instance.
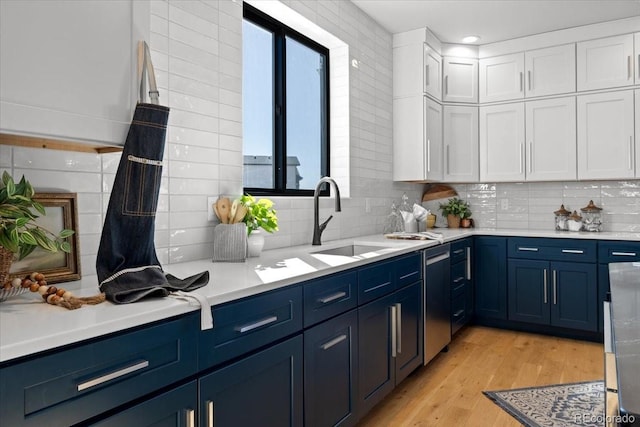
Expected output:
(550, 71)
(502, 78)
(636, 44)
(637, 145)
(606, 135)
(502, 143)
(551, 139)
(67, 69)
(460, 80)
(605, 63)
(417, 70)
(460, 131)
(417, 139)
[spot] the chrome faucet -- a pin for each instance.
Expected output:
(317, 227)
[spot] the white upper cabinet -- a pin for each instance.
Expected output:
(502, 143)
(432, 73)
(605, 63)
(417, 139)
(460, 79)
(550, 71)
(68, 70)
(551, 139)
(637, 135)
(606, 135)
(502, 78)
(460, 131)
(417, 70)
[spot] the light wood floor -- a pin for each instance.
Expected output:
(448, 391)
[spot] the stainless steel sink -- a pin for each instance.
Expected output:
(350, 250)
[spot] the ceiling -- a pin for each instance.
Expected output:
(493, 20)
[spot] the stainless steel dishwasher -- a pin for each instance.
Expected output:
(437, 301)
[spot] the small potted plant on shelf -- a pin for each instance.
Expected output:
(19, 232)
(456, 210)
(260, 214)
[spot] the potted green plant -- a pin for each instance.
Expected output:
(455, 210)
(260, 214)
(19, 232)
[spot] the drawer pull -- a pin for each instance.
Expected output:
(190, 417)
(413, 273)
(458, 279)
(258, 324)
(382, 285)
(113, 375)
(336, 340)
(209, 413)
(332, 297)
(526, 249)
(458, 251)
(468, 262)
(623, 253)
(572, 251)
(458, 313)
(437, 258)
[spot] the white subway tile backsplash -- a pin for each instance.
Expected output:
(206, 42)
(61, 181)
(5, 156)
(32, 158)
(193, 153)
(179, 169)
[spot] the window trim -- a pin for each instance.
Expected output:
(280, 32)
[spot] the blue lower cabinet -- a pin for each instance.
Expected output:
(574, 295)
(264, 389)
(490, 277)
(529, 291)
(410, 346)
(175, 408)
(330, 374)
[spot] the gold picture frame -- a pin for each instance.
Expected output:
(62, 212)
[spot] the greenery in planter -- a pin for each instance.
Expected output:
(19, 232)
(260, 214)
(456, 207)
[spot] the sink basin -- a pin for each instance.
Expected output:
(350, 250)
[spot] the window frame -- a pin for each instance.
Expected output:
(280, 33)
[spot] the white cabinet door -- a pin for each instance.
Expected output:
(636, 44)
(637, 135)
(605, 135)
(551, 70)
(460, 79)
(502, 78)
(502, 143)
(417, 139)
(67, 68)
(432, 72)
(460, 143)
(605, 63)
(551, 139)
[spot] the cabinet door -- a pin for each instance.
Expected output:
(264, 389)
(502, 143)
(409, 143)
(637, 122)
(433, 124)
(460, 79)
(551, 70)
(175, 408)
(432, 73)
(528, 291)
(490, 267)
(605, 135)
(330, 374)
(410, 337)
(376, 367)
(605, 63)
(67, 69)
(502, 78)
(574, 295)
(551, 139)
(460, 131)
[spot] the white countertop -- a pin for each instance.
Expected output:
(28, 326)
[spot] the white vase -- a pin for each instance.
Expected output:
(255, 243)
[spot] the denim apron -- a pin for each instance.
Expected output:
(127, 265)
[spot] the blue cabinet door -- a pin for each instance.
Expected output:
(411, 336)
(263, 389)
(528, 291)
(574, 296)
(490, 268)
(330, 377)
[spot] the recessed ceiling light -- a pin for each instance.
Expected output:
(470, 39)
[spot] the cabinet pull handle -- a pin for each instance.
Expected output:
(332, 297)
(555, 288)
(428, 155)
(426, 75)
(623, 253)
(468, 262)
(529, 78)
(521, 158)
(458, 251)
(438, 258)
(446, 85)
(572, 251)
(394, 331)
(113, 375)
(336, 340)
(458, 313)
(190, 418)
(629, 73)
(448, 168)
(530, 156)
(458, 279)
(413, 273)
(209, 413)
(259, 323)
(377, 287)
(525, 249)
(521, 83)
(630, 152)
(399, 327)
(544, 284)
(639, 66)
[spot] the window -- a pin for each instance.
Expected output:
(285, 93)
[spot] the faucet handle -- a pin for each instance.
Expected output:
(324, 224)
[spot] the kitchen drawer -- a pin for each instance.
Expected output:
(460, 250)
(458, 277)
(576, 250)
(460, 312)
(328, 297)
(69, 386)
(242, 326)
(616, 251)
(376, 281)
(408, 269)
